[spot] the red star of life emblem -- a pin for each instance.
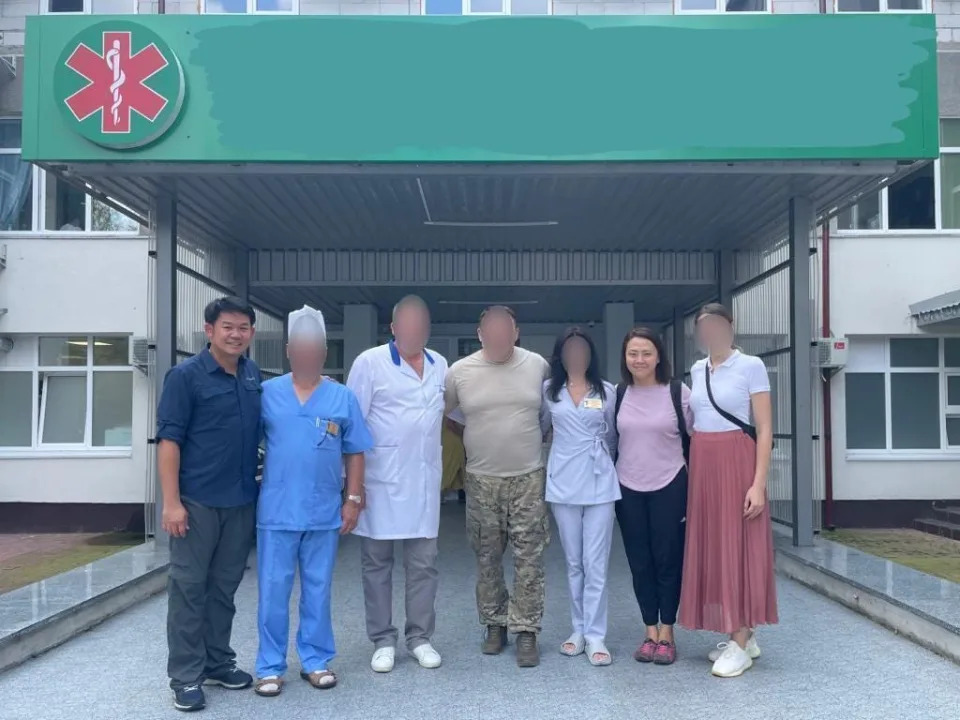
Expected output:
(115, 82)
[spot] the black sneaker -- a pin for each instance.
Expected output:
(232, 678)
(461, 497)
(189, 698)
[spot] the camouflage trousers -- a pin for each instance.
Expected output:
(502, 510)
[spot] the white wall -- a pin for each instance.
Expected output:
(873, 280)
(77, 286)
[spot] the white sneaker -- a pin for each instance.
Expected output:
(753, 650)
(427, 656)
(733, 662)
(383, 660)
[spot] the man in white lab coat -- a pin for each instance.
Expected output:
(400, 389)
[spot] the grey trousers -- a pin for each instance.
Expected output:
(206, 567)
(420, 567)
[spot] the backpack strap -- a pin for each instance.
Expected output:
(676, 395)
(621, 391)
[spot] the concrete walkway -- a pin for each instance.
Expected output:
(822, 662)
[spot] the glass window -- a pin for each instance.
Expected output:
(65, 6)
(915, 411)
(951, 352)
(226, 6)
(858, 5)
(63, 351)
(10, 134)
(950, 190)
(443, 7)
(905, 5)
(911, 203)
(953, 431)
(112, 409)
(914, 352)
(104, 218)
(865, 215)
(274, 5)
(698, 5)
(485, 6)
(334, 354)
(65, 207)
(467, 346)
(16, 193)
(114, 351)
(866, 410)
(950, 133)
(953, 390)
(530, 7)
(113, 7)
(16, 410)
(63, 408)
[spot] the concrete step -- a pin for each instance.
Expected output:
(935, 526)
(949, 514)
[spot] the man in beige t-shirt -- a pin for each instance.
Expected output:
(498, 390)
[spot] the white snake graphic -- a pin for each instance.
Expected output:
(119, 78)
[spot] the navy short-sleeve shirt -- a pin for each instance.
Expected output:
(215, 419)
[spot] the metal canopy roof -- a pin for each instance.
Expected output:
(937, 311)
(283, 213)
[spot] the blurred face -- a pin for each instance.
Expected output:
(498, 333)
(714, 333)
(230, 335)
(575, 356)
(642, 360)
(411, 328)
(307, 356)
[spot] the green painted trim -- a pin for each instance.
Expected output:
(374, 89)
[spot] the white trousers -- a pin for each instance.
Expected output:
(586, 532)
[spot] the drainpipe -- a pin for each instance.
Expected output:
(827, 400)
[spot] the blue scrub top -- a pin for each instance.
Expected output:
(305, 444)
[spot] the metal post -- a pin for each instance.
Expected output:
(166, 340)
(725, 279)
(286, 339)
(679, 343)
(801, 340)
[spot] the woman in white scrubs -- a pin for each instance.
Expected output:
(582, 484)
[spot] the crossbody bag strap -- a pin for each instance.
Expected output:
(745, 427)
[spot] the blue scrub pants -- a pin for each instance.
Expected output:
(279, 553)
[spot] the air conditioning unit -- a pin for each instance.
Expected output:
(830, 352)
(140, 351)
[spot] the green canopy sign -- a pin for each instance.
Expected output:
(119, 85)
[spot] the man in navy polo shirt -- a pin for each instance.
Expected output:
(208, 430)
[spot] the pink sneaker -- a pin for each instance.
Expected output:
(646, 651)
(666, 653)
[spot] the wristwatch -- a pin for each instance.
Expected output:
(358, 499)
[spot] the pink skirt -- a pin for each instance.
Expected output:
(728, 580)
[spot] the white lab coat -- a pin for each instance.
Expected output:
(404, 470)
(580, 469)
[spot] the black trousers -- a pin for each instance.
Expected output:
(206, 567)
(653, 526)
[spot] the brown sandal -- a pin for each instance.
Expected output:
(320, 679)
(274, 683)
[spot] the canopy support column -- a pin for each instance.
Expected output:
(801, 339)
(165, 209)
(679, 340)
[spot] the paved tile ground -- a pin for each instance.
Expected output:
(822, 662)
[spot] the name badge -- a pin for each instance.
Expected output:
(332, 428)
(593, 404)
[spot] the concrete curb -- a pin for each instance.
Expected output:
(55, 630)
(911, 623)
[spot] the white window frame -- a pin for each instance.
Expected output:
(465, 10)
(872, 366)
(87, 8)
(884, 8)
(252, 9)
(720, 8)
(38, 448)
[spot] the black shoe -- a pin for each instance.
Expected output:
(461, 496)
(189, 698)
(231, 678)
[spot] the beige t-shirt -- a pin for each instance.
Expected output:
(501, 405)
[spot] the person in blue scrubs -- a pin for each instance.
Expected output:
(313, 428)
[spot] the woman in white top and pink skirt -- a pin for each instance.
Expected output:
(728, 581)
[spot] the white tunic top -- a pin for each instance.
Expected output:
(732, 384)
(580, 469)
(404, 413)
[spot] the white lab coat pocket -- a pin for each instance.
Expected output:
(382, 465)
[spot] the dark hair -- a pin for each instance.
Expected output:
(498, 309)
(663, 372)
(715, 309)
(218, 307)
(558, 373)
